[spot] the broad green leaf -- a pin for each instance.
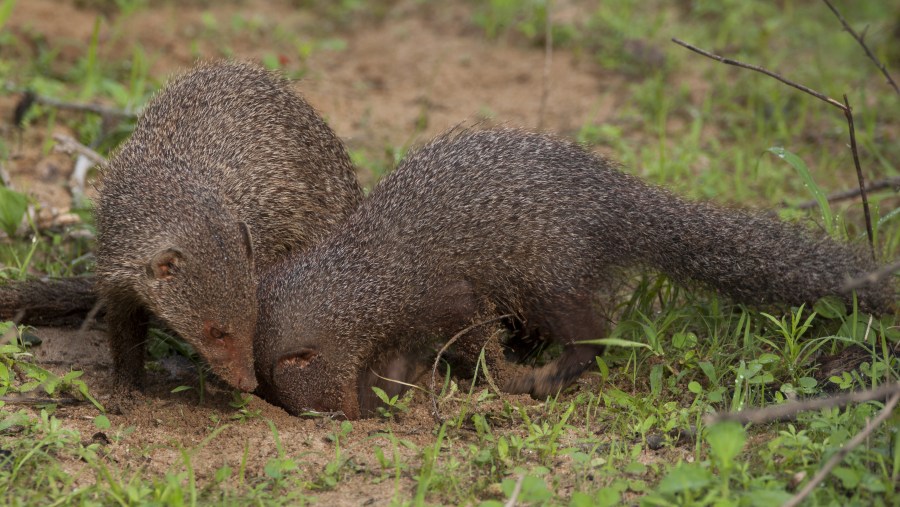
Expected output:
(685, 476)
(726, 440)
(848, 476)
(102, 422)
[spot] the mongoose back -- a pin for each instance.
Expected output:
(227, 171)
(479, 224)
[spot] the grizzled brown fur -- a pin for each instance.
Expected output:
(227, 171)
(480, 224)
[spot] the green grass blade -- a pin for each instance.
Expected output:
(801, 168)
(6, 9)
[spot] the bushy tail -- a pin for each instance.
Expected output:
(64, 302)
(750, 257)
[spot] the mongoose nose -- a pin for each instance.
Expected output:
(246, 383)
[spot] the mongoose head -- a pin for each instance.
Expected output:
(206, 292)
(308, 379)
(311, 361)
(303, 361)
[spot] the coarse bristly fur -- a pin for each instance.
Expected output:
(227, 171)
(482, 223)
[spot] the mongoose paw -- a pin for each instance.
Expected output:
(122, 401)
(125, 395)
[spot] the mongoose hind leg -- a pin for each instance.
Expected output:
(497, 368)
(568, 321)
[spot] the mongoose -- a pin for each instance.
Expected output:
(228, 170)
(478, 224)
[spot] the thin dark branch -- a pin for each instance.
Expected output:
(871, 278)
(91, 317)
(845, 107)
(548, 60)
(860, 38)
(786, 411)
(837, 457)
(451, 341)
(850, 193)
(859, 175)
(729, 61)
(514, 497)
(84, 107)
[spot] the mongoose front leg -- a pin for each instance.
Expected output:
(128, 323)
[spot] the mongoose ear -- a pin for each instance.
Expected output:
(247, 238)
(165, 263)
(300, 358)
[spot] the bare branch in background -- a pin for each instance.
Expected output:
(845, 107)
(860, 39)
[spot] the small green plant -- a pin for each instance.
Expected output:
(334, 469)
(19, 374)
(726, 440)
(793, 349)
(800, 166)
(277, 468)
(398, 403)
(240, 401)
(13, 206)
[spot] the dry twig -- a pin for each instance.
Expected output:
(729, 61)
(451, 341)
(68, 144)
(788, 410)
(548, 60)
(83, 107)
(850, 193)
(29, 400)
(859, 175)
(843, 451)
(861, 40)
(871, 278)
(514, 497)
(86, 159)
(845, 107)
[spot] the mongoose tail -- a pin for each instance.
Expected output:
(747, 256)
